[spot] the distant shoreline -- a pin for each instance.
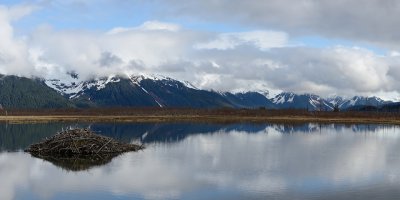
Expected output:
(194, 119)
(155, 115)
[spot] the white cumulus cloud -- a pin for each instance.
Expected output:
(259, 59)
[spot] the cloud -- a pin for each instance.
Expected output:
(107, 59)
(229, 61)
(103, 53)
(153, 47)
(261, 39)
(21, 10)
(326, 71)
(148, 26)
(372, 21)
(13, 50)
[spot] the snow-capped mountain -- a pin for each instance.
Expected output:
(289, 100)
(157, 91)
(141, 91)
(161, 91)
(315, 102)
(283, 98)
(362, 101)
(74, 89)
(336, 100)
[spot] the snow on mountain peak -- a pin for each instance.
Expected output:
(336, 100)
(73, 88)
(283, 97)
(136, 79)
(189, 85)
(102, 82)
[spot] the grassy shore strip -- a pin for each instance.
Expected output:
(198, 119)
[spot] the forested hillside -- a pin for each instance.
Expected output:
(20, 92)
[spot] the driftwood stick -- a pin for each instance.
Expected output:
(73, 142)
(103, 146)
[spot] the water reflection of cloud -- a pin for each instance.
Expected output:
(262, 163)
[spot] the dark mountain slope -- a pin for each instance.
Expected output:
(116, 94)
(19, 92)
(249, 100)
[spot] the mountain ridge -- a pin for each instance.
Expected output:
(162, 91)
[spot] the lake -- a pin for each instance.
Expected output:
(211, 161)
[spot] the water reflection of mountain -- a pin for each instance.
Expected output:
(168, 132)
(314, 127)
(150, 133)
(15, 137)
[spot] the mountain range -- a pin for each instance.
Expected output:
(155, 91)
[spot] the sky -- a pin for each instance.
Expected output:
(342, 47)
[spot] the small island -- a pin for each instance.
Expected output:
(80, 142)
(79, 149)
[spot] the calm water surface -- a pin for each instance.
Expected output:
(203, 161)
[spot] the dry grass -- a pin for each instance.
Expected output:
(225, 115)
(200, 119)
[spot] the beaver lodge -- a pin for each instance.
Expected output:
(80, 147)
(82, 142)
